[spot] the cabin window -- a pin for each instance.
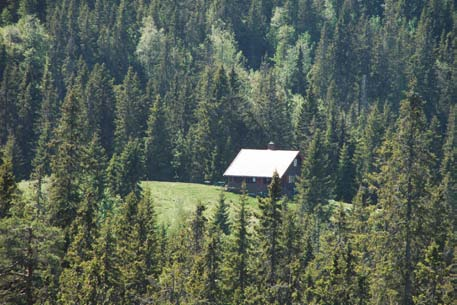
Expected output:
(291, 179)
(266, 180)
(250, 180)
(295, 162)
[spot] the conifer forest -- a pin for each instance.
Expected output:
(98, 96)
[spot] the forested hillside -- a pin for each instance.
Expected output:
(97, 95)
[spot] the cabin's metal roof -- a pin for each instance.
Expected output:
(261, 163)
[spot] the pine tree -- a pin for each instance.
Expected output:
(46, 124)
(139, 248)
(26, 112)
(431, 276)
(8, 107)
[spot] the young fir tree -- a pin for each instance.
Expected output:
(221, 218)
(131, 166)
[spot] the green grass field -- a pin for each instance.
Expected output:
(176, 201)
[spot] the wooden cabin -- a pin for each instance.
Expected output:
(256, 168)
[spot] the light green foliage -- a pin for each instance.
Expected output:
(27, 41)
(224, 48)
(151, 47)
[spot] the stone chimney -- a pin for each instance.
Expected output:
(271, 146)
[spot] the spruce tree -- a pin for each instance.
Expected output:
(131, 110)
(64, 193)
(100, 99)
(29, 260)
(238, 260)
(221, 218)
(269, 231)
(157, 144)
(313, 185)
(404, 196)
(448, 166)
(131, 166)
(8, 186)
(345, 176)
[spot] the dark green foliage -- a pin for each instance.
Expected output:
(238, 259)
(345, 176)
(221, 219)
(29, 260)
(157, 144)
(198, 227)
(100, 103)
(404, 195)
(131, 110)
(64, 195)
(131, 168)
(313, 185)
(8, 187)
(97, 95)
(269, 239)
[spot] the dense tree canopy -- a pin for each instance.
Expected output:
(96, 96)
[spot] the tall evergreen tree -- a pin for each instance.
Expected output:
(131, 110)
(157, 145)
(404, 196)
(238, 261)
(313, 185)
(269, 240)
(8, 186)
(64, 195)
